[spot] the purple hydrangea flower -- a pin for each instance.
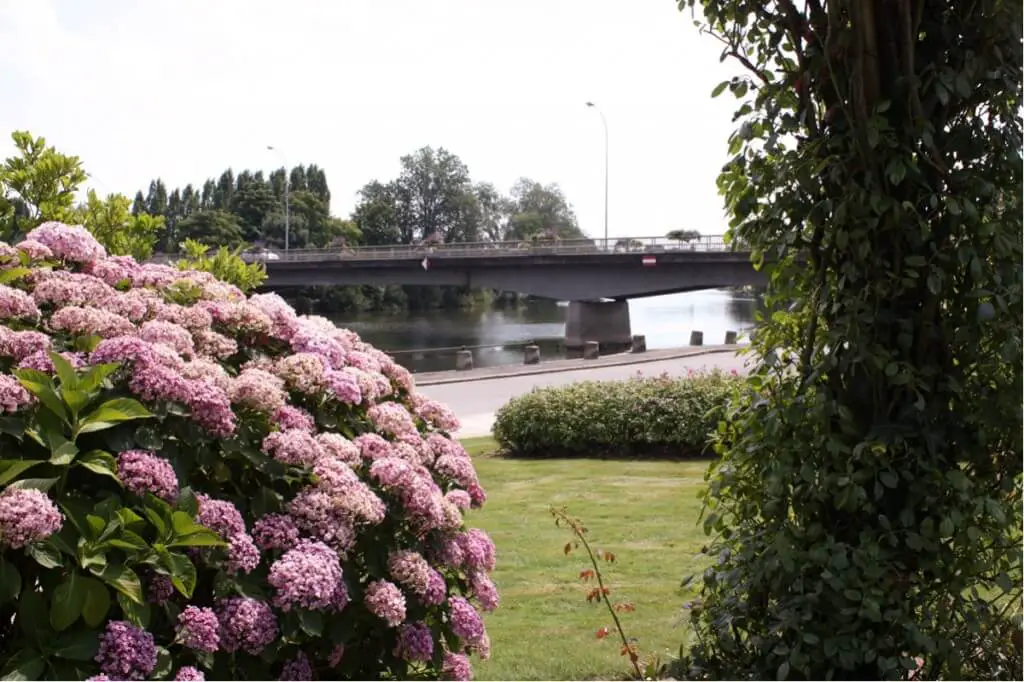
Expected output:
(308, 576)
(456, 667)
(275, 531)
(297, 668)
(190, 674)
(386, 601)
(126, 652)
(143, 472)
(415, 643)
(160, 589)
(246, 624)
(27, 515)
(198, 629)
(465, 621)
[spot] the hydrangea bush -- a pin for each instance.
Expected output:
(199, 485)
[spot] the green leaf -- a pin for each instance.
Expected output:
(45, 554)
(138, 613)
(188, 502)
(41, 386)
(80, 645)
(33, 616)
(129, 541)
(11, 468)
(311, 622)
(124, 580)
(783, 672)
(8, 276)
(113, 412)
(25, 665)
(64, 454)
(67, 602)
(94, 377)
(183, 524)
(946, 527)
(10, 581)
(65, 372)
(99, 462)
(201, 538)
(889, 479)
(719, 89)
(183, 572)
(97, 602)
(41, 484)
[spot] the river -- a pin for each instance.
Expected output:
(666, 321)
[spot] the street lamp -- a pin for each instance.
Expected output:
(287, 198)
(605, 122)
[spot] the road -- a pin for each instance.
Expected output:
(475, 402)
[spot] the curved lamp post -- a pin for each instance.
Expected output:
(605, 122)
(287, 198)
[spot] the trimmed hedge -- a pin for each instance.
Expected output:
(658, 417)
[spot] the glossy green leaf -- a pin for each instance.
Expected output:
(124, 580)
(10, 469)
(65, 372)
(78, 645)
(113, 412)
(45, 554)
(138, 613)
(97, 601)
(10, 581)
(99, 462)
(67, 602)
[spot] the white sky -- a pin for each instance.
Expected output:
(183, 89)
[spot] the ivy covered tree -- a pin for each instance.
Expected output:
(866, 507)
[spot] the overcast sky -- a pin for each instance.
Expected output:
(182, 89)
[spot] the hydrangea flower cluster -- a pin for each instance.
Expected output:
(336, 494)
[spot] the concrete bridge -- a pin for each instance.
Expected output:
(586, 272)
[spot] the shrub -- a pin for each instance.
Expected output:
(641, 417)
(199, 484)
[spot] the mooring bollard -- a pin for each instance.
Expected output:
(531, 355)
(730, 338)
(463, 360)
(639, 343)
(696, 338)
(591, 350)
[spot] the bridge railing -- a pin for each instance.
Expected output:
(511, 249)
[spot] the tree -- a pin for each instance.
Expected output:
(867, 505)
(111, 221)
(536, 208)
(212, 228)
(683, 236)
(37, 184)
(492, 212)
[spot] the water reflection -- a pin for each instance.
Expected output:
(666, 321)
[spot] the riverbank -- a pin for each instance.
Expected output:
(568, 365)
(476, 402)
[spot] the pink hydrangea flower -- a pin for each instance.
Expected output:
(258, 390)
(464, 620)
(413, 572)
(484, 590)
(141, 472)
(415, 643)
(294, 446)
(20, 345)
(308, 576)
(456, 667)
(215, 345)
(198, 629)
(90, 322)
(188, 673)
(385, 600)
(34, 250)
(275, 531)
(168, 334)
(126, 652)
(391, 418)
(61, 288)
(13, 395)
(245, 624)
(339, 447)
(288, 417)
(71, 242)
(297, 668)
(15, 303)
(435, 413)
(27, 515)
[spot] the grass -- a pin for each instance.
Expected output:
(644, 512)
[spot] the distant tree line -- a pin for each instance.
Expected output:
(433, 200)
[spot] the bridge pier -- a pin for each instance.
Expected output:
(606, 322)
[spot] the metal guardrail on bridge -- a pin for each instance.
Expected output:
(637, 245)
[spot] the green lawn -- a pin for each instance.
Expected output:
(644, 512)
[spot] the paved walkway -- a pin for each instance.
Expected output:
(476, 400)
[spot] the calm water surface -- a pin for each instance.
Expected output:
(666, 321)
